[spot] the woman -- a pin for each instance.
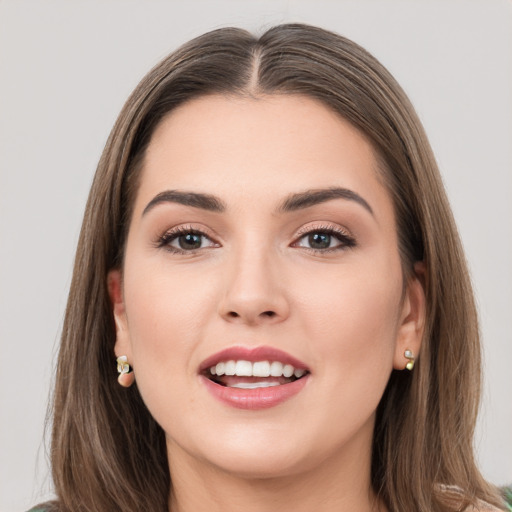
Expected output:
(269, 253)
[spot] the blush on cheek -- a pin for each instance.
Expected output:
(357, 322)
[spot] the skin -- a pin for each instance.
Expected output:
(342, 312)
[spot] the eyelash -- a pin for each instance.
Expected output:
(346, 240)
(165, 240)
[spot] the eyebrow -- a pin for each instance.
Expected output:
(194, 199)
(313, 197)
(293, 202)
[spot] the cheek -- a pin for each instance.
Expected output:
(164, 302)
(167, 314)
(354, 320)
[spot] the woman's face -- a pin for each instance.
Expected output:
(263, 243)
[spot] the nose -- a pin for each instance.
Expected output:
(255, 292)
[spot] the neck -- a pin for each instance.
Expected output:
(341, 482)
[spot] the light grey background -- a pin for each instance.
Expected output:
(66, 67)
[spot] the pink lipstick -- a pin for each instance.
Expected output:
(253, 378)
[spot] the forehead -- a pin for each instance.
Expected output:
(242, 148)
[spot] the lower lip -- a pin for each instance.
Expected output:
(259, 398)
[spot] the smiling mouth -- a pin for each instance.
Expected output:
(244, 374)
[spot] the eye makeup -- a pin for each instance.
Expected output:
(318, 239)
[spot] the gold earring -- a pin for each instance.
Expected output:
(126, 376)
(410, 356)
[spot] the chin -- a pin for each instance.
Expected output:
(259, 454)
(257, 467)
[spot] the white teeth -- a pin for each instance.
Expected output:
(258, 369)
(276, 369)
(253, 385)
(220, 368)
(288, 370)
(261, 369)
(230, 368)
(243, 369)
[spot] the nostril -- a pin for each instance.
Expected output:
(269, 314)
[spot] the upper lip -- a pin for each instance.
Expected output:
(252, 354)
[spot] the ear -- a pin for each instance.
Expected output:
(115, 290)
(412, 319)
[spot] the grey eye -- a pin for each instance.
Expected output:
(189, 241)
(319, 240)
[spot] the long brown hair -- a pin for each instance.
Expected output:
(107, 452)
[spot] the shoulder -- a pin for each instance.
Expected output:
(486, 507)
(453, 497)
(50, 506)
(483, 507)
(506, 492)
